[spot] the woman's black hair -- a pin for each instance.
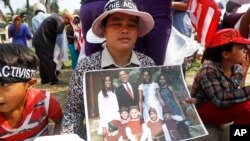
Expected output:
(104, 90)
(215, 53)
(18, 55)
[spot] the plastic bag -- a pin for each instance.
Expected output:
(179, 47)
(61, 48)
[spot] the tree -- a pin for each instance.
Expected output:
(7, 4)
(54, 6)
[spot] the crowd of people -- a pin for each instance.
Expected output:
(136, 34)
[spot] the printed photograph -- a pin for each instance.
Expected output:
(139, 104)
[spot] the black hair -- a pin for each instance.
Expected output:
(18, 55)
(215, 53)
(104, 90)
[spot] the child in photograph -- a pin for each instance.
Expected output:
(168, 95)
(136, 129)
(24, 111)
(113, 133)
(124, 112)
(157, 127)
(171, 122)
(107, 104)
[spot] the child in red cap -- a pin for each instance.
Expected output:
(218, 87)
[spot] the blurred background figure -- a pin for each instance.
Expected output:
(231, 16)
(70, 32)
(44, 41)
(40, 15)
(78, 32)
(89, 11)
(155, 43)
(19, 32)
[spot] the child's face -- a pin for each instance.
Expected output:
(134, 113)
(153, 115)
(108, 82)
(12, 96)
(162, 80)
(237, 54)
(146, 77)
(121, 32)
(124, 115)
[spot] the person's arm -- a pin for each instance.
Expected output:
(55, 114)
(216, 90)
(140, 98)
(70, 33)
(28, 32)
(74, 113)
(145, 133)
(10, 30)
(101, 112)
(166, 132)
(181, 6)
(129, 134)
(245, 66)
(176, 100)
(158, 95)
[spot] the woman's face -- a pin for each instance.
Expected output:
(146, 77)
(107, 82)
(162, 80)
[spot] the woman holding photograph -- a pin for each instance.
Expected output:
(150, 96)
(107, 105)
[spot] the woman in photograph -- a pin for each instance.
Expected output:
(150, 96)
(107, 105)
(168, 96)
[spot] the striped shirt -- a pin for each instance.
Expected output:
(211, 85)
(36, 115)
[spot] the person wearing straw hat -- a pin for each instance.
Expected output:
(218, 87)
(40, 14)
(120, 23)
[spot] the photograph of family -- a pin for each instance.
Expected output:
(139, 104)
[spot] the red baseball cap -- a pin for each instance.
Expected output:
(226, 36)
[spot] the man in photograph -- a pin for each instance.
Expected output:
(126, 93)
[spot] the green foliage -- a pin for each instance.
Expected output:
(54, 6)
(194, 66)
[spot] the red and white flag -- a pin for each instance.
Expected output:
(205, 16)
